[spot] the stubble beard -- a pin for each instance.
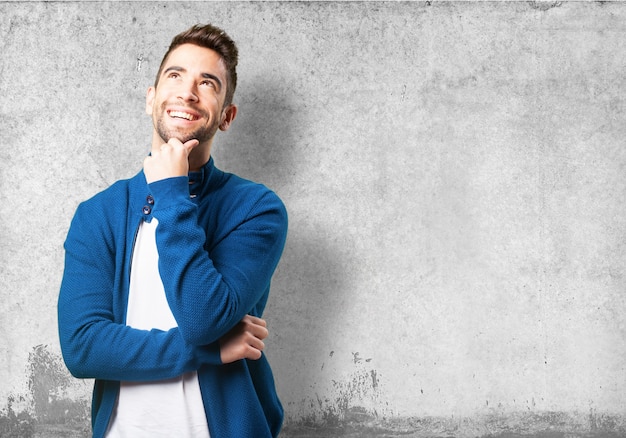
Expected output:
(202, 134)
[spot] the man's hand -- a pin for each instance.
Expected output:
(170, 160)
(244, 341)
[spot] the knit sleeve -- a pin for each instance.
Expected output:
(94, 341)
(210, 291)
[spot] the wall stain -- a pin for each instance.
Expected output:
(50, 386)
(544, 5)
(513, 425)
(52, 407)
(14, 424)
(349, 400)
(355, 408)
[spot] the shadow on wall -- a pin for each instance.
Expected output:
(268, 145)
(260, 144)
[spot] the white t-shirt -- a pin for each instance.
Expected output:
(167, 408)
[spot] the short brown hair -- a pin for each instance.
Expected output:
(213, 38)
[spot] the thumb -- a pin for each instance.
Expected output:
(190, 145)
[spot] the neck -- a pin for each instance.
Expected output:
(198, 158)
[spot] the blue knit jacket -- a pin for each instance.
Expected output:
(217, 253)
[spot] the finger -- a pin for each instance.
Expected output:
(173, 147)
(174, 142)
(255, 324)
(258, 331)
(189, 145)
(255, 343)
(253, 330)
(165, 147)
(253, 354)
(254, 320)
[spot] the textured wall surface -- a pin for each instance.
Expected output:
(455, 178)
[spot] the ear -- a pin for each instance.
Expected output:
(150, 100)
(228, 116)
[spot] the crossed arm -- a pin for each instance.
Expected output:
(96, 344)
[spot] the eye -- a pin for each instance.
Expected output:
(208, 83)
(173, 75)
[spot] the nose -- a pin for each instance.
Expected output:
(188, 92)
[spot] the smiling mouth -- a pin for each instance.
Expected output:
(182, 115)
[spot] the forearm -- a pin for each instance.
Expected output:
(111, 351)
(95, 341)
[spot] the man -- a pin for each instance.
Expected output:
(167, 273)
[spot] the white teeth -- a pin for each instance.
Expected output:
(181, 115)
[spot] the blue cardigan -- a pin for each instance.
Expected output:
(217, 252)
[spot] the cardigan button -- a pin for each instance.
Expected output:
(150, 200)
(146, 209)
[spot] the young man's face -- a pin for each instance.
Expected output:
(189, 98)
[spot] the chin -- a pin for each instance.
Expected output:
(183, 138)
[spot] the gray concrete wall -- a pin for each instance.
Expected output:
(454, 174)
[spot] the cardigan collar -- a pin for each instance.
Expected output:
(205, 180)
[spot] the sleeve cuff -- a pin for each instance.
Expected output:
(169, 192)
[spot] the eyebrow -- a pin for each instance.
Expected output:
(184, 70)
